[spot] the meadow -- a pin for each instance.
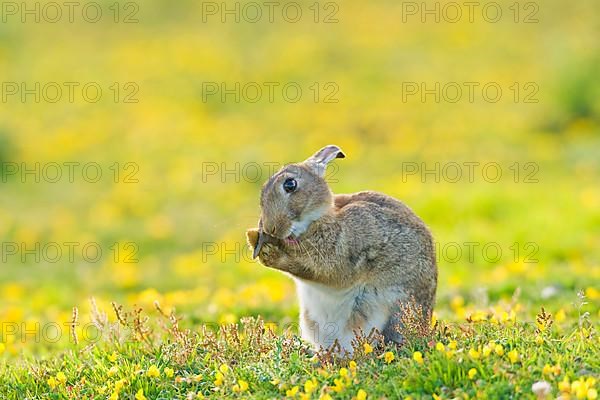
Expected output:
(133, 147)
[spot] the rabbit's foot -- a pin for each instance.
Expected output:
(252, 237)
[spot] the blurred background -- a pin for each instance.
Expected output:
(164, 105)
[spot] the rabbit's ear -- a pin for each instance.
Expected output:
(318, 161)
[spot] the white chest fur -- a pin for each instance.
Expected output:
(331, 311)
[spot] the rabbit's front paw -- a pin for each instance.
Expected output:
(270, 254)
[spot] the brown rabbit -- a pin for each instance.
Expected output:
(355, 257)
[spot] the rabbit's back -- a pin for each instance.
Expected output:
(375, 219)
(388, 244)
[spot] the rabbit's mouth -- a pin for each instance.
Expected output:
(291, 240)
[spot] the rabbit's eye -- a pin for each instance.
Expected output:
(290, 185)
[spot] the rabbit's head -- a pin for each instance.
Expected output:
(297, 195)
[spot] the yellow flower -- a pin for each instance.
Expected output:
(271, 326)
(224, 369)
(547, 370)
(113, 357)
(452, 345)
(361, 395)
(539, 340)
(61, 378)
(310, 385)
(472, 372)
(439, 346)
(227, 319)
(487, 349)
(478, 316)
(418, 357)
(506, 317)
(325, 396)
(169, 372)
(560, 315)
(590, 382)
(241, 386)
(2, 347)
(564, 385)
(197, 378)
(592, 293)
(556, 370)
(592, 394)
(140, 395)
(513, 356)
(457, 302)
(388, 357)
(499, 349)
(292, 392)
(578, 389)
(352, 366)
(338, 385)
(119, 385)
(218, 379)
(343, 372)
(52, 382)
(153, 372)
(474, 354)
(368, 348)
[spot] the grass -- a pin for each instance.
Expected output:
(494, 353)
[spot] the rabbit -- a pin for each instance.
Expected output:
(355, 258)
